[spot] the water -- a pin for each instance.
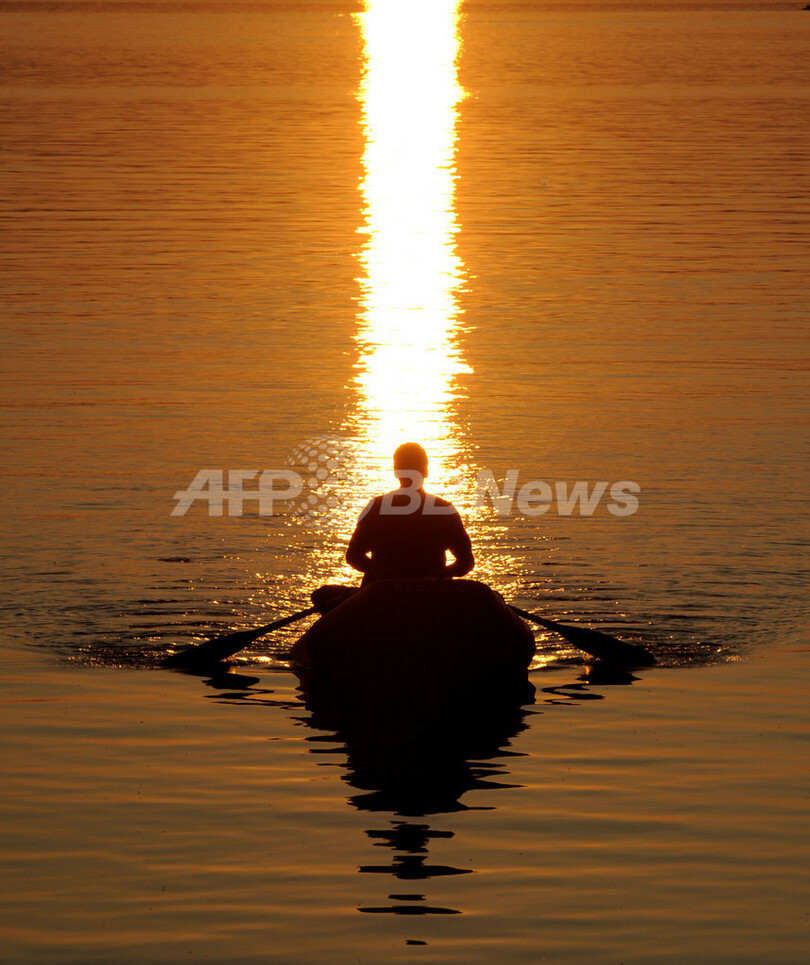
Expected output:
(228, 230)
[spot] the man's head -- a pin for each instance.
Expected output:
(408, 459)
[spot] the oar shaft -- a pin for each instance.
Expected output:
(541, 621)
(220, 648)
(283, 622)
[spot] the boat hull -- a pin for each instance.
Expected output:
(417, 636)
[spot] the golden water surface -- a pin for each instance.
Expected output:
(557, 243)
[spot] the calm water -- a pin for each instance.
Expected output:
(562, 241)
(666, 822)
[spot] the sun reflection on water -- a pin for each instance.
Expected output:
(406, 379)
(409, 361)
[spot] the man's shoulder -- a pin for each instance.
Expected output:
(372, 507)
(401, 502)
(436, 506)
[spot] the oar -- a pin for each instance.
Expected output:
(220, 648)
(597, 644)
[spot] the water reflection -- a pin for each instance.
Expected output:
(409, 358)
(411, 760)
(409, 361)
(410, 843)
(411, 756)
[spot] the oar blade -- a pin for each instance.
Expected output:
(603, 646)
(594, 642)
(212, 651)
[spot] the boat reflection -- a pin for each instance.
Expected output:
(410, 842)
(411, 756)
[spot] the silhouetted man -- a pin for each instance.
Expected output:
(406, 533)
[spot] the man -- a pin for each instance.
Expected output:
(406, 533)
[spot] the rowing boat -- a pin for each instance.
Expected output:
(398, 627)
(416, 635)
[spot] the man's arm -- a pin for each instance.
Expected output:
(460, 546)
(359, 556)
(359, 550)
